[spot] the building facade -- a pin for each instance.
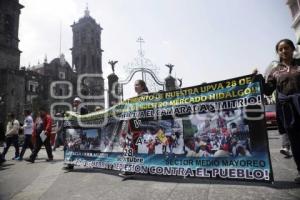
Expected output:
(294, 6)
(47, 84)
(54, 84)
(87, 59)
(86, 50)
(50, 83)
(9, 27)
(11, 94)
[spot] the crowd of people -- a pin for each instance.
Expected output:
(220, 134)
(32, 130)
(42, 130)
(154, 137)
(217, 145)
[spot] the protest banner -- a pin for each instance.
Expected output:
(214, 130)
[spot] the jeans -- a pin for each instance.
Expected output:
(9, 141)
(285, 141)
(27, 143)
(38, 146)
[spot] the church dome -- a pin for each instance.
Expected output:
(61, 61)
(87, 17)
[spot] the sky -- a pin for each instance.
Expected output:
(205, 40)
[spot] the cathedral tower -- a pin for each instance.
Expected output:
(86, 50)
(87, 59)
(9, 27)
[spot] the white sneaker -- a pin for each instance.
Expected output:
(126, 175)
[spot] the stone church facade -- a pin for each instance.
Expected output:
(11, 79)
(87, 59)
(54, 84)
(48, 83)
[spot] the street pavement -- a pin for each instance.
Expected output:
(47, 181)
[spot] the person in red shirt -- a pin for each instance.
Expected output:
(43, 126)
(151, 146)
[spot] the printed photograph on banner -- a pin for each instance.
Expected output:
(111, 137)
(219, 134)
(90, 139)
(73, 139)
(157, 137)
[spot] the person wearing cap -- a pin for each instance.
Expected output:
(98, 108)
(203, 152)
(82, 110)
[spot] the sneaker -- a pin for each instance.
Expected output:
(297, 179)
(49, 159)
(29, 160)
(19, 158)
(285, 152)
(126, 174)
(68, 167)
(122, 174)
(288, 156)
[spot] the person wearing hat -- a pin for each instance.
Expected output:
(203, 152)
(82, 110)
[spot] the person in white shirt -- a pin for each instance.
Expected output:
(81, 110)
(27, 129)
(12, 137)
(140, 87)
